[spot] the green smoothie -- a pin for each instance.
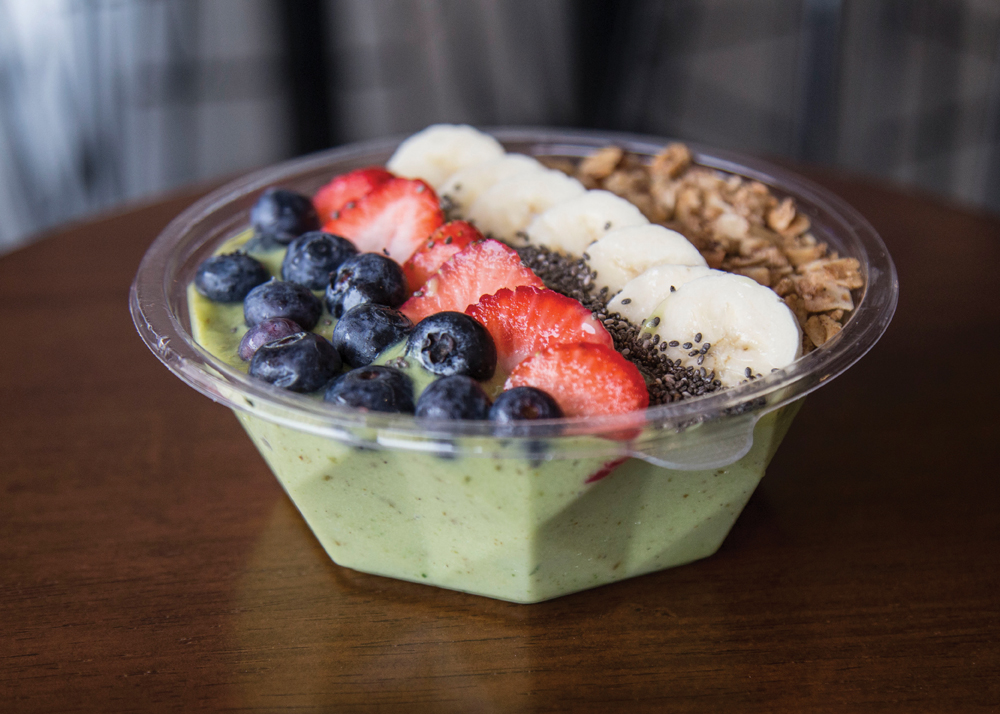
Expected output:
(524, 528)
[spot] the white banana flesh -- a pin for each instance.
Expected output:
(627, 252)
(571, 226)
(464, 186)
(643, 293)
(440, 150)
(505, 209)
(746, 325)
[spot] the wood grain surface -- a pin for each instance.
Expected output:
(149, 561)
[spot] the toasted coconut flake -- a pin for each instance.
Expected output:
(602, 164)
(821, 328)
(672, 161)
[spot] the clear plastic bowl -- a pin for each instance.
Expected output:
(562, 505)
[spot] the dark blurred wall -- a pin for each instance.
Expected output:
(108, 101)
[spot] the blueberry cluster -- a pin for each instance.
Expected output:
(363, 290)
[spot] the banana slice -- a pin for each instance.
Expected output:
(570, 226)
(745, 325)
(507, 207)
(464, 186)
(643, 293)
(627, 252)
(440, 150)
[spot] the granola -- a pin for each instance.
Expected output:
(739, 226)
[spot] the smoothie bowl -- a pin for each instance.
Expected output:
(530, 510)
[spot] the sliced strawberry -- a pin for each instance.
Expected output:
(478, 269)
(393, 218)
(585, 379)
(527, 320)
(443, 243)
(347, 187)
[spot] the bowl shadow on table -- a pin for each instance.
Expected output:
(309, 633)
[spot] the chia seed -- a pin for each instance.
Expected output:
(666, 380)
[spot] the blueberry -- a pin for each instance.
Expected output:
(455, 397)
(278, 299)
(375, 388)
(366, 278)
(283, 215)
(366, 330)
(228, 278)
(269, 330)
(522, 404)
(313, 257)
(448, 343)
(302, 362)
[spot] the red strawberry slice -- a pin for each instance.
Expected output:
(393, 219)
(478, 269)
(528, 320)
(347, 187)
(585, 379)
(444, 243)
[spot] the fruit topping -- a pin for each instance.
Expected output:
(365, 278)
(366, 330)
(279, 299)
(269, 330)
(585, 379)
(728, 324)
(440, 150)
(528, 319)
(627, 252)
(479, 269)
(302, 362)
(524, 404)
(347, 187)
(447, 240)
(448, 343)
(228, 278)
(373, 388)
(463, 187)
(455, 397)
(570, 226)
(313, 257)
(282, 215)
(507, 207)
(394, 219)
(643, 293)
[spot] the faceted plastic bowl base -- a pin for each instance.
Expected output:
(512, 529)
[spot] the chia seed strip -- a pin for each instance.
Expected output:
(666, 380)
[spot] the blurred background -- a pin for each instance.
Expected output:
(104, 102)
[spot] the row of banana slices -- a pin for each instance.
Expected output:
(651, 271)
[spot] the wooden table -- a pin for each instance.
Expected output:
(149, 560)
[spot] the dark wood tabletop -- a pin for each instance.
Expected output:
(150, 561)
